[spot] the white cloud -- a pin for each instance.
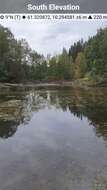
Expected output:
(50, 37)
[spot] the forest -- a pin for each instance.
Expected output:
(85, 60)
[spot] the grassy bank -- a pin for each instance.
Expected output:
(90, 82)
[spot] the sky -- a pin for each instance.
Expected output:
(49, 37)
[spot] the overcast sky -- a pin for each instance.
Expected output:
(50, 37)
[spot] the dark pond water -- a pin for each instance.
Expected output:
(53, 139)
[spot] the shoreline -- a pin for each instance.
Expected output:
(75, 84)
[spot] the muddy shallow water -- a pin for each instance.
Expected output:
(53, 139)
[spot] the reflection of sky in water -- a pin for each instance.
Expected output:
(56, 149)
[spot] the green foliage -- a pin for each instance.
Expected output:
(96, 53)
(60, 67)
(76, 48)
(80, 66)
(19, 63)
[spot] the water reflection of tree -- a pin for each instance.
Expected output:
(11, 111)
(8, 128)
(91, 104)
(18, 107)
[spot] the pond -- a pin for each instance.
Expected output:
(53, 139)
